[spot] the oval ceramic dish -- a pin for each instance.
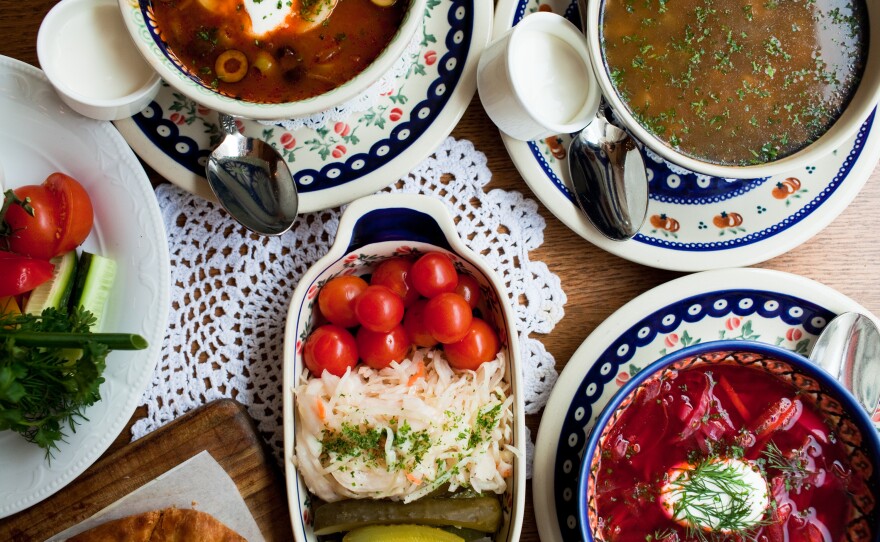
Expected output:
(697, 222)
(41, 135)
(351, 158)
(372, 230)
(751, 304)
(142, 25)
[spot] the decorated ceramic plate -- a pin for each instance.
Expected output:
(752, 304)
(343, 160)
(696, 222)
(40, 135)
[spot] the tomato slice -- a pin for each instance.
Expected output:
(74, 211)
(63, 217)
(33, 236)
(20, 274)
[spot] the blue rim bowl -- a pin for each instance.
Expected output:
(870, 439)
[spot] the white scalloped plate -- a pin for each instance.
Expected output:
(40, 135)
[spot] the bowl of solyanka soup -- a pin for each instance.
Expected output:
(269, 60)
(738, 88)
(731, 441)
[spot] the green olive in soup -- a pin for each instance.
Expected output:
(277, 51)
(735, 82)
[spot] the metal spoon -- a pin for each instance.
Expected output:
(252, 182)
(849, 349)
(609, 179)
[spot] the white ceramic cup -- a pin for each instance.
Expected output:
(537, 79)
(90, 59)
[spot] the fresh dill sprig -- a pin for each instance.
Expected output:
(715, 496)
(793, 469)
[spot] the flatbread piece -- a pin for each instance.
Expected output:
(168, 525)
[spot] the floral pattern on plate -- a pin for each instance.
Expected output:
(696, 222)
(346, 159)
(749, 304)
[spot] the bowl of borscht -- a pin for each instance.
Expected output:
(272, 60)
(731, 441)
(737, 88)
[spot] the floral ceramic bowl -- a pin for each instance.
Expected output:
(372, 230)
(142, 26)
(796, 450)
(854, 112)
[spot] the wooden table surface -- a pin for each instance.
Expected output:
(844, 256)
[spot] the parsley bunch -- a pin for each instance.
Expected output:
(50, 371)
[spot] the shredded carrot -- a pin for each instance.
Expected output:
(413, 478)
(734, 398)
(420, 373)
(319, 409)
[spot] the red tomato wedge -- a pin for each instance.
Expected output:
(20, 274)
(63, 218)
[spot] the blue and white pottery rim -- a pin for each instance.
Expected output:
(368, 227)
(752, 304)
(801, 363)
(347, 159)
(696, 222)
(147, 35)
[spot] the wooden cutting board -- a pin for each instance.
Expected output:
(222, 427)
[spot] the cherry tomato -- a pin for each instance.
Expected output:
(378, 308)
(63, 218)
(394, 274)
(469, 289)
(479, 345)
(448, 317)
(330, 348)
(20, 274)
(434, 274)
(414, 323)
(336, 299)
(378, 349)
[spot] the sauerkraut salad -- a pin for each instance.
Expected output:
(404, 431)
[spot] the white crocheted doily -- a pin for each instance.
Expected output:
(386, 85)
(231, 289)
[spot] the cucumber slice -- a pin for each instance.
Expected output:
(94, 280)
(54, 293)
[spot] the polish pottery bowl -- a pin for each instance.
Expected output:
(731, 437)
(152, 41)
(604, 29)
(373, 230)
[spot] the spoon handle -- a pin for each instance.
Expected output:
(849, 349)
(227, 124)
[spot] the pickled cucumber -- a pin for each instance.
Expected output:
(400, 533)
(479, 513)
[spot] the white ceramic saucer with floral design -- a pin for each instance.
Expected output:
(347, 159)
(752, 304)
(696, 222)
